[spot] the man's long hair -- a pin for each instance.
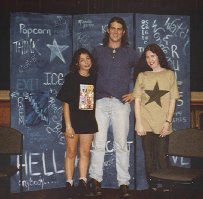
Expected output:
(124, 40)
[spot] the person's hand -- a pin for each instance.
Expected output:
(140, 130)
(70, 133)
(165, 129)
(128, 98)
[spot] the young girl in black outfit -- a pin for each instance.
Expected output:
(79, 123)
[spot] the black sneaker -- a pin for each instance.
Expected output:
(94, 188)
(124, 191)
(82, 188)
(69, 191)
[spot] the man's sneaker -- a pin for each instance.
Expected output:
(124, 191)
(69, 191)
(82, 188)
(94, 187)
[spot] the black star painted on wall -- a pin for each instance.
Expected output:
(155, 94)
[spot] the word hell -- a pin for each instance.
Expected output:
(37, 164)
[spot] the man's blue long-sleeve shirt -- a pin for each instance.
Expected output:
(114, 71)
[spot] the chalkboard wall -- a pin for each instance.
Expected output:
(41, 47)
(41, 50)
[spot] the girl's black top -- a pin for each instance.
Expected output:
(79, 92)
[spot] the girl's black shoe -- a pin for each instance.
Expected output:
(82, 188)
(70, 192)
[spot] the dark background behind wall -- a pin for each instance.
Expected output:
(192, 8)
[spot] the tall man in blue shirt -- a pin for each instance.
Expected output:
(114, 61)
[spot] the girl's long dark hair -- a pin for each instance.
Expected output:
(142, 65)
(159, 52)
(124, 40)
(74, 63)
